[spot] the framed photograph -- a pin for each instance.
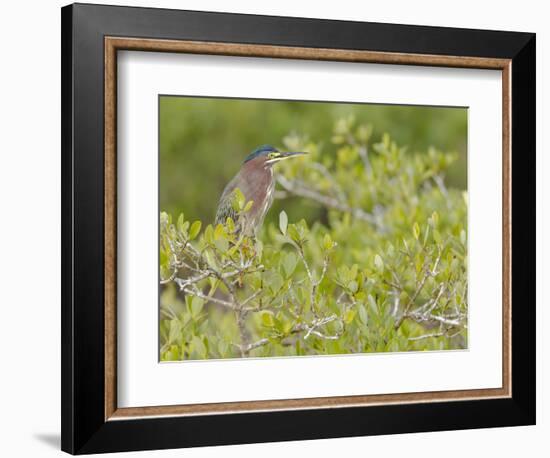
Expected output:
(281, 228)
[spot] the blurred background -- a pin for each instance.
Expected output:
(203, 142)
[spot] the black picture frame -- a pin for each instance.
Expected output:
(84, 428)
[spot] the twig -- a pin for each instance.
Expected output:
(197, 293)
(427, 273)
(323, 171)
(438, 318)
(170, 278)
(311, 279)
(441, 185)
(250, 299)
(411, 300)
(395, 308)
(427, 336)
(310, 329)
(192, 280)
(299, 189)
(364, 154)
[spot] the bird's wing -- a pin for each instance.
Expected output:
(225, 206)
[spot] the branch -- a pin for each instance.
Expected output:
(427, 273)
(411, 301)
(189, 286)
(299, 189)
(440, 319)
(427, 336)
(310, 329)
(197, 293)
(183, 283)
(254, 345)
(310, 276)
(323, 171)
(364, 153)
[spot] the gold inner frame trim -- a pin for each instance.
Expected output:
(114, 44)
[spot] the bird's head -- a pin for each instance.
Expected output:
(269, 155)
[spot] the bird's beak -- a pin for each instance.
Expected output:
(292, 154)
(286, 155)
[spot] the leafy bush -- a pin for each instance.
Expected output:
(383, 270)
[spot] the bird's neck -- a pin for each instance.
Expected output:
(258, 172)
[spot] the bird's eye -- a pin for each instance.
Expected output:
(272, 155)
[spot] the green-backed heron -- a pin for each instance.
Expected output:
(255, 180)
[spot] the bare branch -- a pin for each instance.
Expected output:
(250, 299)
(183, 283)
(438, 318)
(411, 300)
(309, 329)
(323, 171)
(427, 336)
(197, 293)
(299, 189)
(364, 154)
(312, 328)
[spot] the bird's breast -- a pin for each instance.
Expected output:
(258, 186)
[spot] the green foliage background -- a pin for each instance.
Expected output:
(383, 270)
(203, 142)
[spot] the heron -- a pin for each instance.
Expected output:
(255, 180)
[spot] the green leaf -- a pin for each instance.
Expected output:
(363, 316)
(195, 229)
(259, 250)
(353, 286)
(218, 232)
(344, 274)
(175, 330)
(248, 206)
(302, 228)
(289, 263)
(274, 281)
(416, 230)
(373, 305)
(434, 219)
(223, 348)
(163, 259)
(267, 319)
(283, 222)
(230, 224)
(287, 327)
(349, 316)
(328, 244)
(378, 263)
(172, 354)
(199, 347)
(181, 220)
(195, 306)
(426, 235)
(210, 259)
(222, 245)
(353, 271)
(293, 233)
(214, 283)
(209, 234)
(238, 200)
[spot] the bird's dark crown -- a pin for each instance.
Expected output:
(263, 150)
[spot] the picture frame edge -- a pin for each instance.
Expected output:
(96, 432)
